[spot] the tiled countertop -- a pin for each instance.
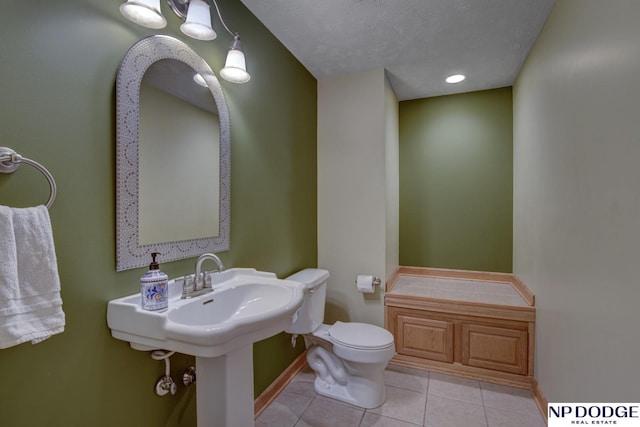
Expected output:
(480, 291)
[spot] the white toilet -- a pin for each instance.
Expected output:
(349, 358)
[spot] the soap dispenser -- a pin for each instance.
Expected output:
(154, 287)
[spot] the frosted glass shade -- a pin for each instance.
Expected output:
(144, 12)
(235, 68)
(198, 23)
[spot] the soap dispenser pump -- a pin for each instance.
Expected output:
(154, 287)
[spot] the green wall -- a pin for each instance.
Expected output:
(58, 64)
(456, 185)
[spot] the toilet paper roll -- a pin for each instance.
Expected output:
(364, 283)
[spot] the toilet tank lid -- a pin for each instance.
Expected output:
(310, 277)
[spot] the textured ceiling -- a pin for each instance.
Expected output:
(418, 42)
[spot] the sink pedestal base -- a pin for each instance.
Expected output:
(224, 389)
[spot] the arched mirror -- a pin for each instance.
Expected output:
(172, 155)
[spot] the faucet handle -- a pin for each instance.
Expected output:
(189, 284)
(207, 280)
(189, 281)
(199, 282)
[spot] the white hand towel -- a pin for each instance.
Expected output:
(30, 303)
(8, 259)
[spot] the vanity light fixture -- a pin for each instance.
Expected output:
(144, 12)
(197, 25)
(198, 22)
(235, 68)
(456, 78)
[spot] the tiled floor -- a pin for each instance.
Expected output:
(414, 398)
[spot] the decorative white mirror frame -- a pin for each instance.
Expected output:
(129, 253)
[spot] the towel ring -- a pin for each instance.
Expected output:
(10, 160)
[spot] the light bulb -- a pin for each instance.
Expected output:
(456, 78)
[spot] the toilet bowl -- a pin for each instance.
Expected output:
(348, 358)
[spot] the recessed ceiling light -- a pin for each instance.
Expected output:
(456, 78)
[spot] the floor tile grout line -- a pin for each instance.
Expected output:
(426, 399)
(511, 411)
(508, 409)
(298, 393)
(458, 400)
(389, 417)
(484, 407)
(414, 376)
(362, 418)
(305, 409)
(406, 389)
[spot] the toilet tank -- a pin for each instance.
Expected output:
(311, 314)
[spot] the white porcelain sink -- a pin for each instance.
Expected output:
(219, 328)
(245, 306)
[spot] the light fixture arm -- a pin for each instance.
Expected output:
(215, 4)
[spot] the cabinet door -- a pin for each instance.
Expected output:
(424, 338)
(500, 349)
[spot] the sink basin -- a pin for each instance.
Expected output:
(245, 306)
(238, 302)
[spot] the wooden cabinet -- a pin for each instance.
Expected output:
(499, 345)
(496, 347)
(422, 337)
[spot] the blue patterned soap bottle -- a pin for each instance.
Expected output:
(154, 287)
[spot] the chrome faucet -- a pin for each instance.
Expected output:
(201, 283)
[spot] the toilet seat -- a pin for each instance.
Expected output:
(360, 336)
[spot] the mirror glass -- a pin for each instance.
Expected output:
(173, 155)
(178, 156)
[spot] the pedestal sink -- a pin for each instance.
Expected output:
(219, 328)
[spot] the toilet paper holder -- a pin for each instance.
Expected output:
(376, 281)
